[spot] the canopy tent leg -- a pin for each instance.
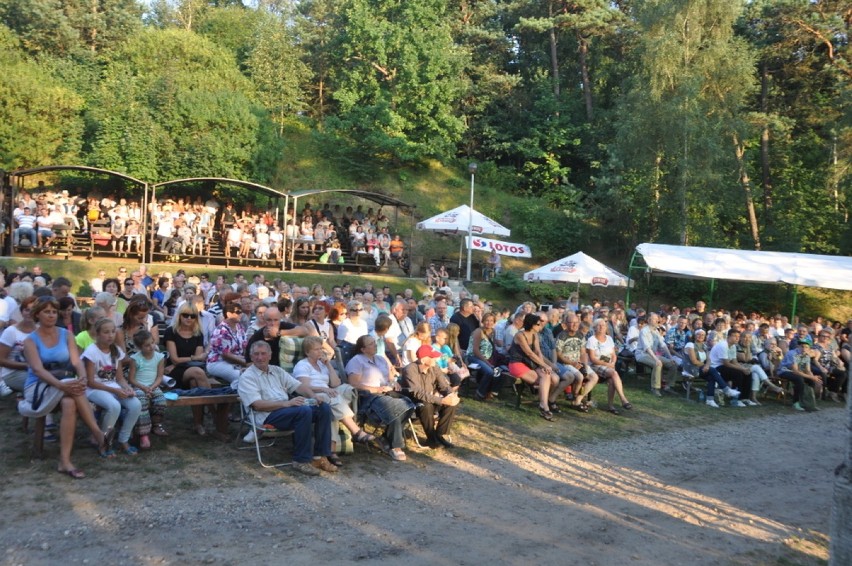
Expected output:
(629, 278)
(461, 248)
(712, 291)
(795, 304)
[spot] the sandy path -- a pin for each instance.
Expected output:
(749, 492)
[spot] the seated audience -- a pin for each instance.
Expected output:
(424, 383)
(317, 372)
(380, 397)
(267, 390)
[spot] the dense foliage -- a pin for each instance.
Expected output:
(705, 122)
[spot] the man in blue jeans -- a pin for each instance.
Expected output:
(267, 389)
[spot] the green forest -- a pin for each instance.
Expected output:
(700, 122)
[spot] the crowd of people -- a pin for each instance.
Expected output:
(189, 226)
(299, 357)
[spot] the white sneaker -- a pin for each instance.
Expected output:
(732, 393)
(711, 403)
(750, 403)
(249, 438)
(735, 403)
(5, 390)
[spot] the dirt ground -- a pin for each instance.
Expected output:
(749, 492)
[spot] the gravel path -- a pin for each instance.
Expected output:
(750, 492)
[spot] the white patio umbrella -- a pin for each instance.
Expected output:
(457, 220)
(579, 268)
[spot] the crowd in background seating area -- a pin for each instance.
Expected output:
(189, 226)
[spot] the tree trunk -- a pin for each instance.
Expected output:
(745, 182)
(654, 214)
(583, 49)
(554, 56)
(766, 179)
(93, 33)
(684, 180)
(841, 511)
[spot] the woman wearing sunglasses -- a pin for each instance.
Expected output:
(352, 328)
(227, 358)
(187, 356)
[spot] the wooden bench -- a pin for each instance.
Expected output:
(221, 402)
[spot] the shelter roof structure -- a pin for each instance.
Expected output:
(85, 168)
(379, 198)
(809, 270)
(222, 181)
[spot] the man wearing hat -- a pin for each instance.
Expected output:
(796, 368)
(425, 384)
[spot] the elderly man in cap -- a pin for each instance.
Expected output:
(425, 384)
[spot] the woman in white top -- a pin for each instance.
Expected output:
(318, 325)
(14, 366)
(352, 328)
(317, 372)
(602, 354)
(696, 363)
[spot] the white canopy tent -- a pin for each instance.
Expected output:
(457, 221)
(579, 268)
(809, 270)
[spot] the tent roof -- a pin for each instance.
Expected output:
(809, 270)
(43, 169)
(579, 268)
(457, 221)
(378, 198)
(222, 181)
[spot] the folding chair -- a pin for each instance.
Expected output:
(268, 433)
(407, 427)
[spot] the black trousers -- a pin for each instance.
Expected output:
(445, 413)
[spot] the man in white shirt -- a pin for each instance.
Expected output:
(653, 352)
(723, 358)
(267, 389)
(401, 326)
(25, 222)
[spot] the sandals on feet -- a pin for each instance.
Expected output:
(626, 406)
(104, 450)
(554, 408)
(614, 411)
(129, 450)
(545, 414)
(397, 455)
(362, 437)
(159, 430)
(73, 473)
(335, 459)
(580, 407)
